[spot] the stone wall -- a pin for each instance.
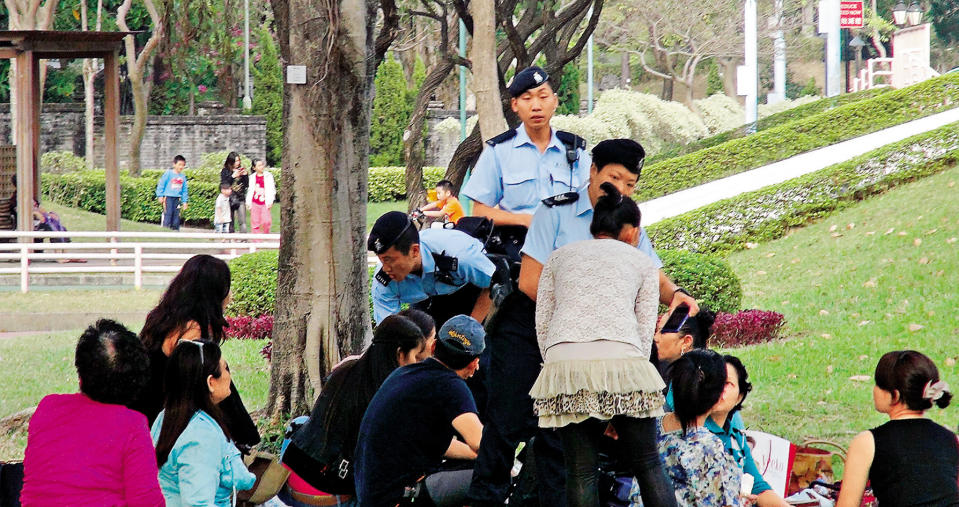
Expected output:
(190, 136)
(61, 129)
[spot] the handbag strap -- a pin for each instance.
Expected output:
(840, 450)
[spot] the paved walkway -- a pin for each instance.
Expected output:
(693, 198)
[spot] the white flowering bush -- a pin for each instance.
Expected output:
(785, 105)
(720, 112)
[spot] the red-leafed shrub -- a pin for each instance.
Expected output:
(253, 328)
(747, 327)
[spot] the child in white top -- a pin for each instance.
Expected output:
(221, 210)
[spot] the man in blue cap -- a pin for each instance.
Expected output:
(422, 413)
(440, 271)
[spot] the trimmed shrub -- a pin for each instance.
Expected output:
(389, 183)
(748, 327)
(268, 99)
(710, 279)
(768, 213)
(86, 190)
(390, 114)
(766, 110)
(778, 143)
(253, 284)
(774, 120)
(59, 162)
(720, 112)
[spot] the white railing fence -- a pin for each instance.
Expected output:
(122, 252)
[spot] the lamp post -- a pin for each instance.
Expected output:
(857, 44)
(247, 101)
(914, 14)
(899, 14)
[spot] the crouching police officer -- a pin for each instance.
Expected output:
(440, 271)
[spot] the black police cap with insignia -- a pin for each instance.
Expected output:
(387, 229)
(528, 79)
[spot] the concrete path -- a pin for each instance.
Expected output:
(693, 198)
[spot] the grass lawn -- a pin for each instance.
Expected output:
(879, 276)
(80, 220)
(37, 365)
(55, 299)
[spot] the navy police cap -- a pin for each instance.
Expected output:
(527, 79)
(387, 229)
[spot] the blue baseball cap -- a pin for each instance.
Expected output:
(462, 335)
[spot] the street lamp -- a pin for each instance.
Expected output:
(914, 14)
(857, 44)
(899, 14)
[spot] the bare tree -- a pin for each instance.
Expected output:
(139, 82)
(322, 310)
(440, 13)
(559, 32)
(673, 38)
(26, 15)
(89, 75)
(485, 68)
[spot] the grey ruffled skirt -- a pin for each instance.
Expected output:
(571, 391)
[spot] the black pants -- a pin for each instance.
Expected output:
(514, 363)
(638, 440)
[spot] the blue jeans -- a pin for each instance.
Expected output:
(171, 213)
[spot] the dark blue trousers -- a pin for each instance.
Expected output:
(514, 364)
(171, 214)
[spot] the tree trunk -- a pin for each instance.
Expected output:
(139, 84)
(89, 77)
(413, 135)
(624, 74)
(729, 75)
(486, 69)
(667, 93)
(464, 157)
(322, 310)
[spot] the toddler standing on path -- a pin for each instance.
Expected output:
(222, 216)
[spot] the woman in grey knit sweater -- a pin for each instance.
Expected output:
(595, 319)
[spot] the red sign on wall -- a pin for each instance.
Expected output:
(850, 14)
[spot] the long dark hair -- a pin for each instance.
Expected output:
(699, 378)
(910, 372)
(187, 391)
(230, 161)
(613, 211)
(196, 293)
(351, 386)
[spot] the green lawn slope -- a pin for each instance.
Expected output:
(878, 276)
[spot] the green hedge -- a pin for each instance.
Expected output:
(774, 120)
(709, 278)
(253, 283)
(768, 213)
(778, 143)
(389, 183)
(86, 190)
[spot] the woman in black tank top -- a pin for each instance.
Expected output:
(910, 460)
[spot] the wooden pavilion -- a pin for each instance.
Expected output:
(27, 48)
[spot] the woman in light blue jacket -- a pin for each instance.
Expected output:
(199, 465)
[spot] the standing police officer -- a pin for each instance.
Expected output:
(440, 271)
(532, 162)
(514, 368)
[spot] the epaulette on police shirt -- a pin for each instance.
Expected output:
(382, 277)
(505, 136)
(571, 139)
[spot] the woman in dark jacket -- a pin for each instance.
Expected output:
(321, 451)
(238, 178)
(192, 309)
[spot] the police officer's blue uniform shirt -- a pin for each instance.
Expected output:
(516, 176)
(473, 267)
(561, 225)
